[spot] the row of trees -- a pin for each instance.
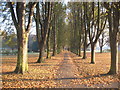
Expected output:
(49, 22)
(49, 27)
(83, 25)
(89, 23)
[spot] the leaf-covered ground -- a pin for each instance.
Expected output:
(40, 75)
(65, 70)
(95, 75)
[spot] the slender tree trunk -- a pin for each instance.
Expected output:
(80, 32)
(79, 53)
(54, 38)
(92, 53)
(85, 33)
(80, 50)
(54, 44)
(48, 45)
(101, 51)
(85, 44)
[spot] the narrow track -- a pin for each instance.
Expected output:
(67, 72)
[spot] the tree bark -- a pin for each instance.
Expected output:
(22, 60)
(113, 21)
(80, 50)
(114, 56)
(41, 53)
(101, 50)
(92, 53)
(85, 43)
(48, 45)
(40, 43)
(85, 33)
(22, 33)
(54, 38)
(80, 32)
(44, 30)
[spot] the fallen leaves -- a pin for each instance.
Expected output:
(40, 75)
(43, 75)
(94, 75)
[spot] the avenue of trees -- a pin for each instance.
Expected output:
(89, 22)
(76, 26)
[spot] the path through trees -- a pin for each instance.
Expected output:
(65, 70)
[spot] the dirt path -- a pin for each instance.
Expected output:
(67, 72)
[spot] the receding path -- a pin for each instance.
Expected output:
(68, 76)
(67, 72)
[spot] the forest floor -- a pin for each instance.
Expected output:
(65, 70)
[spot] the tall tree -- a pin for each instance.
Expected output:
(76, 26)
(54, 37)
(80, 18)
(85, 31)
(113, 10)
(48, 44)
(18, 18)
(98, 26)
(42, 26)
(58, 31)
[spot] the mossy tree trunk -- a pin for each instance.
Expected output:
(22, 60)
(22, 33)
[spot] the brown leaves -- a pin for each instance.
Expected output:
(40, 75)
(43, 75)
(93, 75)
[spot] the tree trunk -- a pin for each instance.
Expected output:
(80, 50)
(54, 38)
(48, 45)
(80, 32)
(22, 33)
(85, 43)
(54, 44)
(85, 33)
(114, 57)
(39, 38)
(92, 54)
(113, 34)
(44, 31)
(41, 53)
(22, 60)
(101, 51)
